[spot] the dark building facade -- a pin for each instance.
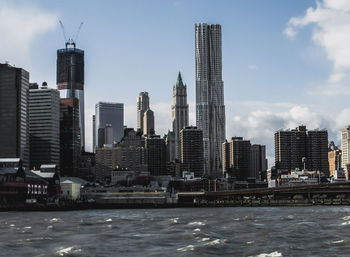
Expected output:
(291, 146)
(258, 161)
(191, 150)
(69, 137)
(70, 81)
(44, 126)
(240, 158)
(156, 155)
(14, 126)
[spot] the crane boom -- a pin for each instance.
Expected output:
(78, 31)
(63, 31)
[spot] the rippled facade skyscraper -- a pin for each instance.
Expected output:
(210, 108)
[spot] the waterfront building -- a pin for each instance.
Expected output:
(179, 112)
(44, 126)
(258, 161)
(14, 124)
(210, 108)
(292, 146)
(148, 122)
(109, 115)
(156, 155)
(70, 83)
(191, 150)
(70, 147)
(142, 106)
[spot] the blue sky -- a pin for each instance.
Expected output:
(284, 62)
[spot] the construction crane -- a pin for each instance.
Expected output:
(72, 40)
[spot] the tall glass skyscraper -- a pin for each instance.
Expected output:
(14, 126)
(111, 114)
(210, 108)
(70, 81)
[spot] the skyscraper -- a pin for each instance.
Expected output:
(94, 133)
(148, 122)
(70, 81)
(142, 106)
(240, 158)
(210, 108)
(14, 125)
(191, 150)
(111, 114)
(179, 111)
(258, 161)
(156, 155)
(44, 126)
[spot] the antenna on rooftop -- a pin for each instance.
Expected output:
(71, 40)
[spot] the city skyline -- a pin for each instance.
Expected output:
(257, 74)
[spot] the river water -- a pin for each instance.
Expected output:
(239, 231)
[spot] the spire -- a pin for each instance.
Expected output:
(179, 80)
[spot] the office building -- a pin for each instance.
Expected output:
(191, 150)
(142, 106)
(291, 146)
(156, 155)
(111, 114)
(210, 108)
(258, 161)
(148, 122)
(179, 112)
(170, 146)
(14, 124)
(44, 126)
(69, 137)
(70, 83)
(226, 166)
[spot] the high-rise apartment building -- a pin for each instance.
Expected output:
(93, 133)
(210, 108)
(70, 82)
(291, 146)
(179, 112)
(111, 114)
(191, 150)
(226, 165)
(334, 160)
(44, 126)
(148, 122)
(240, 153)
(14, 125)
(142, 106)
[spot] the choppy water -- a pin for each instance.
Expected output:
(285, 231)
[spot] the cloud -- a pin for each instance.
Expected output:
(20, 25)
(330, 21)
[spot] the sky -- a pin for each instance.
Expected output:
(285, 63)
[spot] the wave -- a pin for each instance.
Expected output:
(196, 223)
(186, 248)
(69, 250)
(174, 220)
(273, 254)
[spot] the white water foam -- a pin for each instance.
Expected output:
(186, 248)
(109, 220)
(174, 220)
(346, 218)
(215, 242)
(197, 230)
(346, 223)
(338, 242)
(68, 250)
(273, 254)
(196, 223)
